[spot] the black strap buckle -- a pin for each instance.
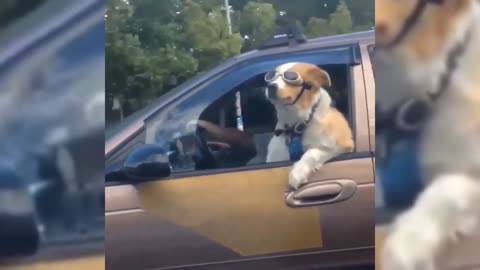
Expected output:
(294, 130)
(300, 127)
(412, 114)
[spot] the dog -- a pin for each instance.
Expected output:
(427, 52)
(306, 120)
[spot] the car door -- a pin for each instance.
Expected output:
(237, 217)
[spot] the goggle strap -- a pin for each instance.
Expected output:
(305, 86)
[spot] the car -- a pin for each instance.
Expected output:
(52, 62)
(176, 198)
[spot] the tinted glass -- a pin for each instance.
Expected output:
(290, 76)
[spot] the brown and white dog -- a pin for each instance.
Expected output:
(428, 51)
(297, 90)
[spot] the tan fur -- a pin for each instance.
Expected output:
(288, 93)
(332, 123)
(327, 133)
(311, 74)
(335, 125)
(450, 149)
(434, 28)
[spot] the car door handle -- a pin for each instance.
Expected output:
(324, 192)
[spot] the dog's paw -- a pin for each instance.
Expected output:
(411, 246)
(298, 175)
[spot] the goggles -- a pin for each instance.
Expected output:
(289, 77)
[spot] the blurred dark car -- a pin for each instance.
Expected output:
(52, 135)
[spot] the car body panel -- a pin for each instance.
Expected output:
(237, 218)
(187, 213)
(80, 263)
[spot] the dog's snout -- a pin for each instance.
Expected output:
(272, 90)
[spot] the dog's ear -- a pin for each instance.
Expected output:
(317, 77)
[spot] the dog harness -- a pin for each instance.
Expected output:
(402, 127)
(294, 135)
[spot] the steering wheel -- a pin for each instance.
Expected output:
(217, 147)
(204, 157)
(208, 152)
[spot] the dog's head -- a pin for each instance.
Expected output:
(296, 84)
(414, 39)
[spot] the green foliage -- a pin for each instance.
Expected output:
(257, 23)
(341, 20)
(209, 33)
(154, 45)
(362, 11)
(317, 27)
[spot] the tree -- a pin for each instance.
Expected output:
(122, 51)
(305, 9)
(317, 27)
(363, 12)
(208, 35)
(341, 20)
(153, 45)
(257, 23)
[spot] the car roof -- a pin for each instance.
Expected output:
(315, 43)
(49, 18)
(136, 119)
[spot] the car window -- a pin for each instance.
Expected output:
(192, 131)
(174, 125)
(11, 10)
(255, 118)
(371, 51)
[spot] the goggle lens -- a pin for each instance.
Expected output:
(270, 76)
(288, 76)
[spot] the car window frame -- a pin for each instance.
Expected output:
(367, 50)
(355, 48)
(371, 52)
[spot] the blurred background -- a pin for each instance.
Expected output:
(52, 103)
(152, 46)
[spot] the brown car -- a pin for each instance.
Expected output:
(178, 198)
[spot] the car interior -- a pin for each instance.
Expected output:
(259, 116)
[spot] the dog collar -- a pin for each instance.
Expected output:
(294, 135)
(299, 127)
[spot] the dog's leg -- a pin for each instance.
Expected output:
(449, 205)
(311, 160)
(277, 150)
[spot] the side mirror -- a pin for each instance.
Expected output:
(147, 162)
